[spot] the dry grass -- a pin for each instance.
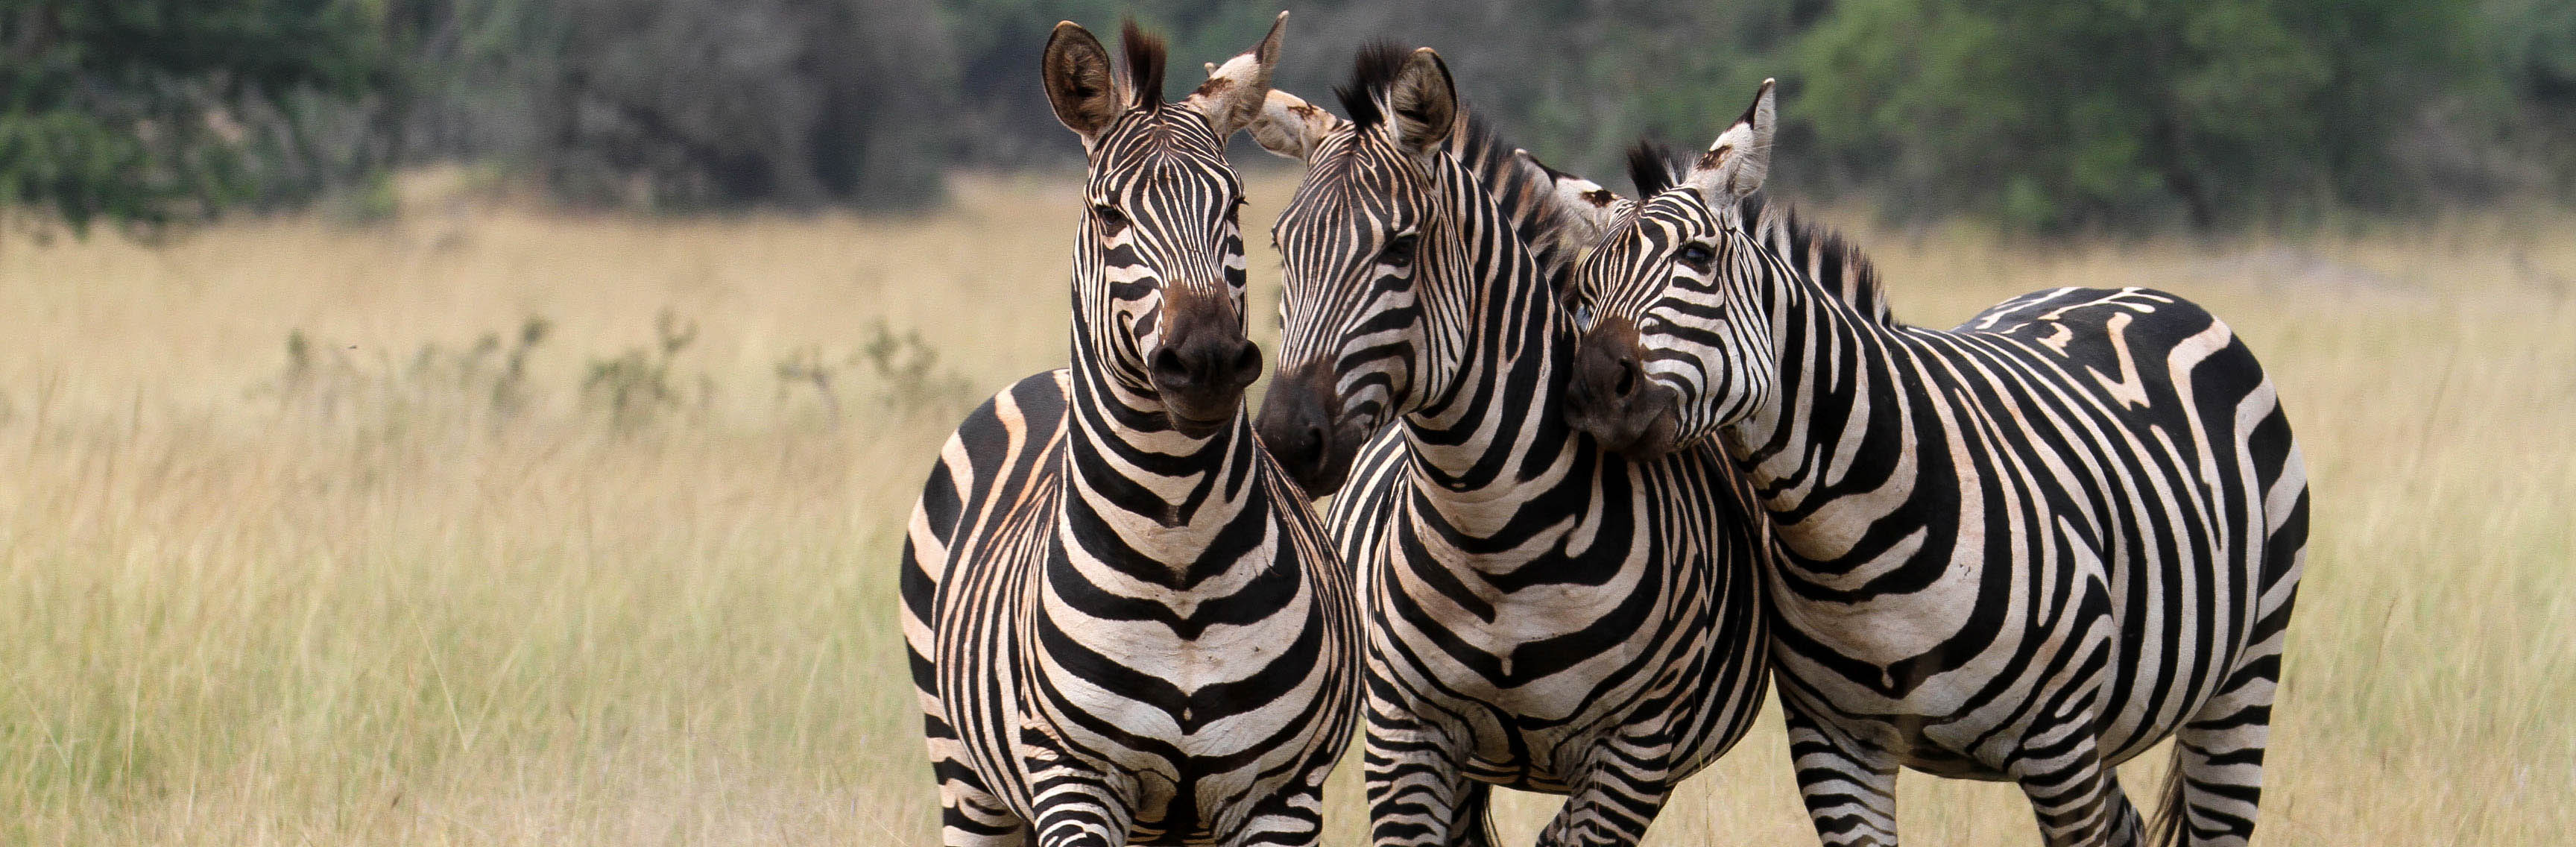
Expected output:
(366, 603)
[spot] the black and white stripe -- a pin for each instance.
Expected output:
(1126, 624)
(1542, 614)
(2027, 548)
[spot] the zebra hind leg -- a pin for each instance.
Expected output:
(2217, 778)
(1849, 786)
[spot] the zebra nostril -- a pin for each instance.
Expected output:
(1168, 368)
(1627, 385)
(1247, 365)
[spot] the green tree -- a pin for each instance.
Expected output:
(2057, 116)
(148, 110)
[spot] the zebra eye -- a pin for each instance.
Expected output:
(1398, 252)
(1111, 220)
(1694, 256)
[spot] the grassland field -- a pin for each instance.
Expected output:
(290, 553)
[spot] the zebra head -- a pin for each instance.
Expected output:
(1159, 269)
(1677, 339)
(1352, 242)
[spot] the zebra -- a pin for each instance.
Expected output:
(2027, 548)
(1126, 624)
(1541, 614)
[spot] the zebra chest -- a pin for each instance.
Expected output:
(1185, 661)
(1537, 637)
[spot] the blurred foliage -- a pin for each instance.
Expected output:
(2045, 116)
(2053, 115)
(148, 110)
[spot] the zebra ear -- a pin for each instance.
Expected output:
(1079, 84)
(1422, 104)
(1735, 165)
(1584, 207)
(1291, 127)
(1233, 96)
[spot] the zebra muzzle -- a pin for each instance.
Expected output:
(1611, 398)
(1301, 425)
(1202, 366)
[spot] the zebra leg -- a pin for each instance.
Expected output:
(2075, 794)
(2217, 778)
(1076, 812)
(970, 816)
(1416, 790)
(1293, 819)
(1849, 785)
(1614, 802)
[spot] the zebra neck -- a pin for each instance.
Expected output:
(1502, 400)
(1140, 496)
(1830, 361)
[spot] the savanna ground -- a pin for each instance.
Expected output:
(290, 553)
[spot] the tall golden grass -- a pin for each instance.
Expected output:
(363, 600)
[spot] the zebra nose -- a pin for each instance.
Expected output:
(1296, 426)
(1624, 384)
(1213, 366)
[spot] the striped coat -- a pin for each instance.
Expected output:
(2026, 548)
(1126, 624)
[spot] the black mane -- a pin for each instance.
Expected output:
(1650, 167)
(1144, 64)
(1829, 258)
(1373, 71)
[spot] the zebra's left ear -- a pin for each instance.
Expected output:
(1735, 165)
(1233, 95)
(1583, 206)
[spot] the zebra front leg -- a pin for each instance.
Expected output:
(973, 818)
(1416, 790)
(1071, 815)
(1849, 785)
(1071, 805)
(1295, 818)
(2076, 796)
(969, 814)
(1614, 802)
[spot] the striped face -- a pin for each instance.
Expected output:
(1161, 228)
(1359, 242)
(1677, 339)
(1351, 344)
(1159, 270)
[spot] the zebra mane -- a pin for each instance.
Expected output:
(1521, 190)
(1145, 55)
(1651, 168)
(1824, 255)
(1372, 72)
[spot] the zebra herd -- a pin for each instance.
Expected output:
(1607, 468)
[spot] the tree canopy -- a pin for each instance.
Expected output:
(2042, 115)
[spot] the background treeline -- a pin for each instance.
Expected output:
(2040, 114)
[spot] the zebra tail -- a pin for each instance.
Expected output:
(2166, 828)
(1475, 824)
